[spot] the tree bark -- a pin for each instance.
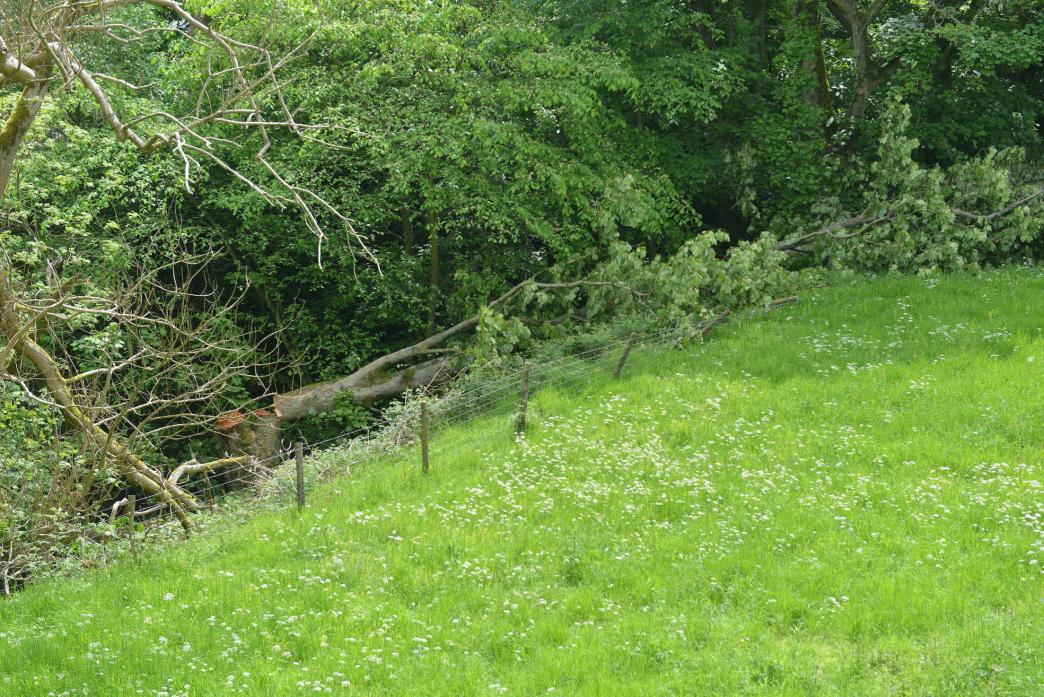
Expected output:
(17, 125)
(436, 272)
(805, 14)
(365, 390)
(407, 230)
(870, 74)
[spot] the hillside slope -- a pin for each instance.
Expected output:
(840, 497)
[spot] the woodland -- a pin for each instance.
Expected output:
(229, 223)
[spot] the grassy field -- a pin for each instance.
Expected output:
(839, 498)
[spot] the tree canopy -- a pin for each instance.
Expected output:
(310, 185)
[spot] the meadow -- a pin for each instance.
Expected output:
(839, 497)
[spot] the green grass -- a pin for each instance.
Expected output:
(839, 498)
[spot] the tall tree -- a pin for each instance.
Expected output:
(871, 72)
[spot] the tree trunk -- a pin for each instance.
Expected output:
(805, 15)
(274, 305)
(253, 436)
(436, 272)
(759, 17)
(706, 35)
(947, 48)
(17, 125)
(407, 230)
(861, 50)
(372, 382)
(869, 73)
(365, 390)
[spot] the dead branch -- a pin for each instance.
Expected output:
(174, 371)
(244, 76)
(195, 467)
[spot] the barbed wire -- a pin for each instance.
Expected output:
(477, 397)
(447, 414)
(387, 442)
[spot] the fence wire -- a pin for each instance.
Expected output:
(481, 398)
(380, 449)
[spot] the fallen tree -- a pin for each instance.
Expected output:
(154, 389)
(859, 225)
(240, 96)
(384, 378)
(916, 217)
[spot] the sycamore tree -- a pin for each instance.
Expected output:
(230, 97)
(489, 151)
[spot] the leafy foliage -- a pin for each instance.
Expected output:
(669, 151)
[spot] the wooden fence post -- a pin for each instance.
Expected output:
(623, 357)
(425, 425)
(299, 452)
(523, 403)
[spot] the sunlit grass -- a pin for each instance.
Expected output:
(840, 497)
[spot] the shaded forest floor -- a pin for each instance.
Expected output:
(840, 497)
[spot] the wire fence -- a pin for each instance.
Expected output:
(414, 438)
(390, 440)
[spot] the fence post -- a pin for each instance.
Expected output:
(523, 402)
(299, 457)
(132, 507)
(623, 357)
(425, 425)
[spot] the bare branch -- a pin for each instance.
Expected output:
(11, 68)
(194, 467)
(172, 373)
